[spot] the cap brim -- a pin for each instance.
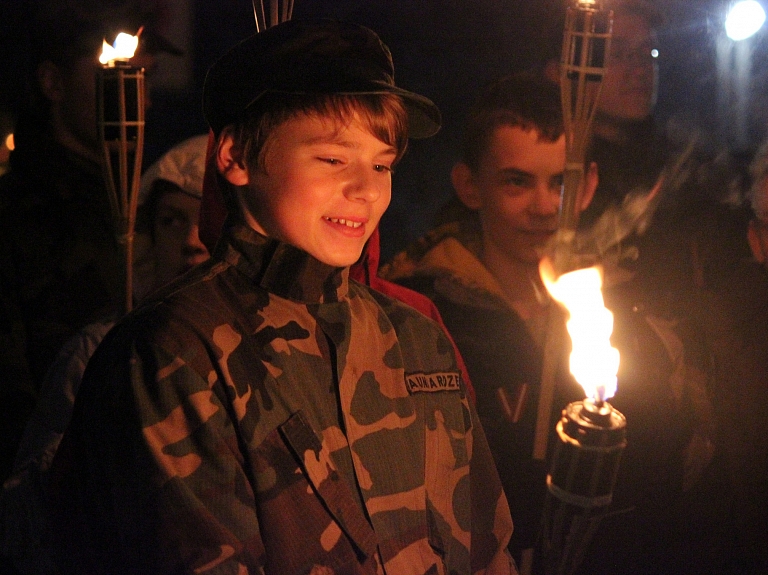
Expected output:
(424, 118)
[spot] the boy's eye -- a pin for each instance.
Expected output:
(332, 161)
(383, 168)
(170, 221)
(517, 181)
(169, 218)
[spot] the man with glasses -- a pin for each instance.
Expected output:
(626, 144)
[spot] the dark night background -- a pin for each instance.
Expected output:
(444, 49)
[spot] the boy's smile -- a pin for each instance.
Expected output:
(325, 187)
(518, 185)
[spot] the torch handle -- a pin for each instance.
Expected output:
(121, 107)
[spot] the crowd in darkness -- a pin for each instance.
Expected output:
(448, 49)
(471, 211)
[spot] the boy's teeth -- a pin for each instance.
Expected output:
(345, 222)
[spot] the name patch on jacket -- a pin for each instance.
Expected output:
(437, 381)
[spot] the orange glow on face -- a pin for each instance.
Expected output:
(593, 362)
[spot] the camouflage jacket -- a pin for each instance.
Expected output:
(267, 415)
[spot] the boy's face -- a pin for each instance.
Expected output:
(177, 246)
(325, 187)
(516, 191)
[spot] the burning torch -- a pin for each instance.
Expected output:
(120, 112)
(591, 432)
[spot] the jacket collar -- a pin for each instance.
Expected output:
(282, 269)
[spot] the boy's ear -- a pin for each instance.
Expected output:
(229, 160)
(591, 180)
(464, 184)
(754, 243)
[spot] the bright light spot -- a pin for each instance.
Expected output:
(744, 19)
(654, 53)
(9, 142)
(123, 49)
(594, 363)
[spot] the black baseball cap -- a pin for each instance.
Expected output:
(308, 57)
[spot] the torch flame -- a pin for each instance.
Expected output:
(594, 362)
(123, 49)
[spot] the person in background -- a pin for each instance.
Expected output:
(59, 258)
(626, 142)
(167, 231)
(695, 231)
(170, 195)
(737, 308)
(264, 413)
(482, 272)
(690, 263)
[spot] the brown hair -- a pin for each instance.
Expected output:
(382, 114)
(525, 100)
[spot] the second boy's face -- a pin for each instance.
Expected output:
(325, 187)
(177, 246)
(518, 188)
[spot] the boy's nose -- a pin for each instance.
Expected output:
(192, 243)
(545, 201)
(363, 184)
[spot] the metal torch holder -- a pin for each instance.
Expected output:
(580, 483)
(120, 103)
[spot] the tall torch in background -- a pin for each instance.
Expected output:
(120, 112)
(586, 42)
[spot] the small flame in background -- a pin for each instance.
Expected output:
(594, 362)
(123, 49)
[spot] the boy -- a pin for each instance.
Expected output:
(267, 415)
(482, 273)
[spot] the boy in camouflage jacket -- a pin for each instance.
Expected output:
(266, 414)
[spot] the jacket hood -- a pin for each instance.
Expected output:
(452, 249)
